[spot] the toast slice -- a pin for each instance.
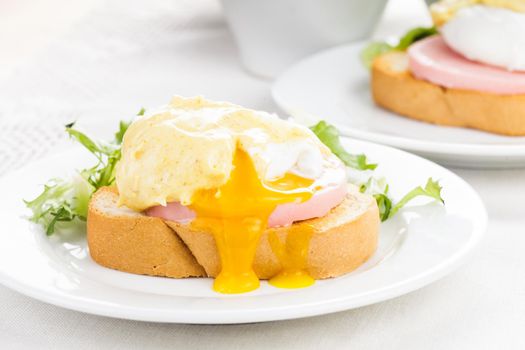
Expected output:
(125, 240)
(121, 239)
(396, 89)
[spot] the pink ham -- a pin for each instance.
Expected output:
(317, 206)
(431, 59)
(173, 211)
(284, 215)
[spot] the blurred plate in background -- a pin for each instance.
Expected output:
(333, 85)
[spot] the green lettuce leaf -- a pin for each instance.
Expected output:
(65, 201)
(372, 185)
(385, 203)
(432, 190)
(414, 35)
(108, 154)
(122, 127)
(329, 135)
(377, 48)
(373, 50)
(61, 201)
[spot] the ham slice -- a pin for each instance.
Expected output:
(318, 205)
(432, 60)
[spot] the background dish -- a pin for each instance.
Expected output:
(420, 245)
(333, 85)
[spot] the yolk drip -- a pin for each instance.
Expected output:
(292, 255)
(237, 214)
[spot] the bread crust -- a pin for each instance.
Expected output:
(341, 241)
(395, 88)
(135, 243)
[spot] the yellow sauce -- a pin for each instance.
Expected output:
(293, 256)
(237, 214)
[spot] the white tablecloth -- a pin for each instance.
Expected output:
(105, 60)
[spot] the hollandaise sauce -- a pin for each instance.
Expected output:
(237, 214)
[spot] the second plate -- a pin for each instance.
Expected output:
(333, 85)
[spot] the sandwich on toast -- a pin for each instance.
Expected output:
(470, 72)
(213, 189)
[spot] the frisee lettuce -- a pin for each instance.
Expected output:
(66, 200)
(385, 204)
(61, 201)
(432, 189)
(377, 48)
(107, 153)
(329, 135)
(374, 186)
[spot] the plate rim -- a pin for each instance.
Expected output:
(445, 148)
(99, 307)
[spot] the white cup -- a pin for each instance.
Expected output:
(272, 34)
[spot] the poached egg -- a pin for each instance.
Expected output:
(490, 31)
(233, 172)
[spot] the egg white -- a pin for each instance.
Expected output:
(491, 35)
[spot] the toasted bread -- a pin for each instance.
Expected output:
(125, 240)
(121, 239)
(396, 89)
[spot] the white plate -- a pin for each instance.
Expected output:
(420, 245)
(333, 85)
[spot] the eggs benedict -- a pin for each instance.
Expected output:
(251, 197)
(470, 74)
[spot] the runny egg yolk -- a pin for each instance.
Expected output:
(237, 214)
(292, 255)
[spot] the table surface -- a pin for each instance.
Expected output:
(93, 59)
